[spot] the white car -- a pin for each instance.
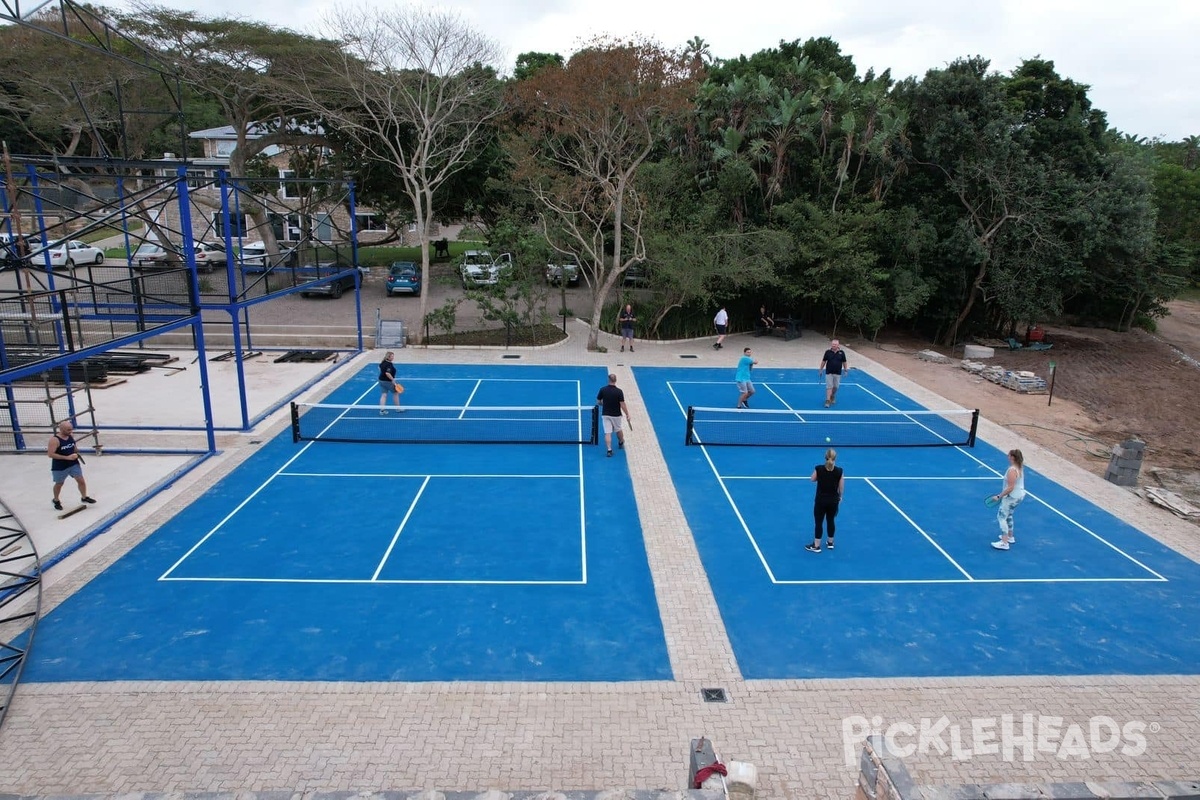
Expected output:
(67, 255)
(254, 257)
(478, 268)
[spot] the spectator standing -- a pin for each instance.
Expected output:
(625, 322)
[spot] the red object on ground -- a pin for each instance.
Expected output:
(715, 768)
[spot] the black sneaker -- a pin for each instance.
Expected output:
(57, 505)
(622, 348)
(88, 500)
(610, 453)
(812, 548)
(829, 544)
(621, 445)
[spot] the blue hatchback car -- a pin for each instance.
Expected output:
(404, 277)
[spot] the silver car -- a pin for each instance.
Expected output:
(478, 268)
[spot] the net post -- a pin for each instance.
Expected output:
(974, 428)
(295, 423)
(691, 421)
(595, 425)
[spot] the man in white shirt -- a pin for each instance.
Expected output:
(721, 321)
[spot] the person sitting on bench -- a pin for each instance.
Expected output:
(766, 322)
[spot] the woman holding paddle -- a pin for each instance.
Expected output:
(1010, 498)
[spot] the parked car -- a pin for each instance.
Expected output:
(636, 275)
(150, 254)
(12, 250)
(404, 277)
(567, 269)
(254, 257)
(478, 268)
(73, 253)
(209, 255)
(335, 288)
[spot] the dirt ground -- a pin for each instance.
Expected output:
(1107, 387)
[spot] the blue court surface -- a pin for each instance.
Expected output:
(914, 587)
(371, 562)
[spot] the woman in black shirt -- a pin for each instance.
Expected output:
(387, 383)
(831, 484)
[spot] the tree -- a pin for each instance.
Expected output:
(412, 89)
(529, 63)
(584, 131)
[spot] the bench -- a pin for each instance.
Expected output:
(787, 327)
(441, 248)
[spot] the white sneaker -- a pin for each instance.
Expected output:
(1000, 545)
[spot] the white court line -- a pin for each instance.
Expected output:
(973, 581)
(796, 413)
(1069, 519)
(409, 379)
(478, 383)
(392, 545)
(249, 497)
(921, 531)
(583, 566)
(384, 582)
(863, 478)
(422, 475)
(736, 511)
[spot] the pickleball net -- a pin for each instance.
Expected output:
(831, 428)
(446, 424)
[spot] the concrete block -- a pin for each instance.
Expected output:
(1125, 791)
(1179, 790)
(1011, 791)
(978, 351)
(742, 780)
(967, 792)
(1068, 791)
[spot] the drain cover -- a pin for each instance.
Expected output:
(714, 695)
(510, 355)
(689, 356)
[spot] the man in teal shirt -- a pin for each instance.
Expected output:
(742, 377)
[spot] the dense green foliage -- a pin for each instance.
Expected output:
(964, 202)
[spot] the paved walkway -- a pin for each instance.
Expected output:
(227, 737)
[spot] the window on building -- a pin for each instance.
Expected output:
(239, 224)
(224, 148)
(370, 222)
(322, 227)
(288, 188)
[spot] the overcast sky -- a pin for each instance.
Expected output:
(1141, 59)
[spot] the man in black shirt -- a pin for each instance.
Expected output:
(612, 407)
(833, 363)
(65, 463)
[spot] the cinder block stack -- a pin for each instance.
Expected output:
(1126, 463)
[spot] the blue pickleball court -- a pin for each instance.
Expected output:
(327, 560)
(914, 587)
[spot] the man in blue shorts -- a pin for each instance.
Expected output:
(742, 377)
(833, 364)
(64, 463)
